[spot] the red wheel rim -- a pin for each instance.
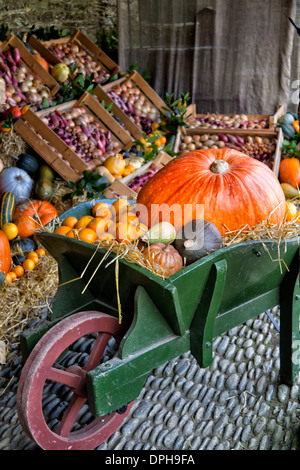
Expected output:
(39, 368)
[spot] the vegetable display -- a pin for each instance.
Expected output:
(23, 87)
(236, 121)
(260, 148)
(71, 53)
(233, 190)
(84, 134)
(135, 105)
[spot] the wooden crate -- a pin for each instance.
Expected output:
(277, 134)
(271, 119)
(81, 40)
(42, 139)
(29, 60)
(148, 92)
(120, 186)
(115, 110)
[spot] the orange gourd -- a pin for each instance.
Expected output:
(5, 254)
(289, 172)
(31, 216)
(42, 62)
(164, 258)
(222, 186)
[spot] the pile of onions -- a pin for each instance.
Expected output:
(138, 182)
(237, 121)
(84, 135)
(70, 53)
(260, 148)
(22, 86)
(135, 105)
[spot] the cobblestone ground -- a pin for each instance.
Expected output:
(237, 403)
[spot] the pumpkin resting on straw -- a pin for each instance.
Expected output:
(31, 216)
(234, 190)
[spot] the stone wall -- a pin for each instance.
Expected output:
(90, 16)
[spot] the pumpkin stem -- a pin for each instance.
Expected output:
(189, 243)
(219, 167)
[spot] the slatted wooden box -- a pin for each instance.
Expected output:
(31, 63)
(83, 42)
(276, 134)
(50, 146)
(270, 120)
(147, 92)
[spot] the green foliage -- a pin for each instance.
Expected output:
(151, 151)
(4, 31)
(46, 34)
(289, 146)
(89, 185)
(108, 39)
(174, 112)
(9, 121)
(135, 67)
(73, 88)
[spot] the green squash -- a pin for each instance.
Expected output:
(23, 245)
(287, 118)
(7, 206)
(28, 163)
(197, 239)
(44, 190)
(288, 130)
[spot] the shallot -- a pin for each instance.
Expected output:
(22, 86)
(80, 130)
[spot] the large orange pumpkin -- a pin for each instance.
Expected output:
(5, 255)
(289, 172)
(30, 216)
(231, 190)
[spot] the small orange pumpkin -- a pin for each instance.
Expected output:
(164, 256)
(31, 216)
(289, 172)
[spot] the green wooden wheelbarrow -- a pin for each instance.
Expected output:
(161, 320)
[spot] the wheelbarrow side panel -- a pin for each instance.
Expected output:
(99, 281)
(255, 270)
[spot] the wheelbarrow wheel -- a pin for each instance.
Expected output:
(43, 366)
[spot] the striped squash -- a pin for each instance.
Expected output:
(7, 207)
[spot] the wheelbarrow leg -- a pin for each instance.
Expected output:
(289, 325)
(202, 327)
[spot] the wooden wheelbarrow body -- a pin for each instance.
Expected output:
(168, 317)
